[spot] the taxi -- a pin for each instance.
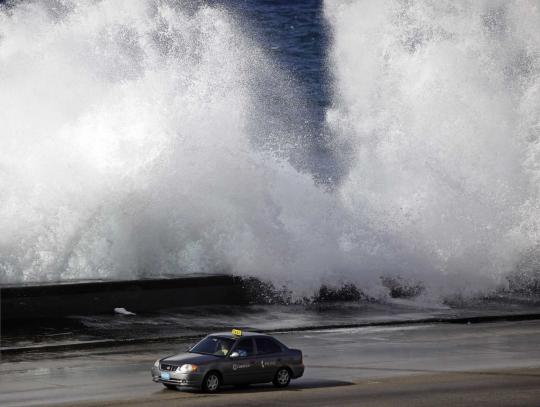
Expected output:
(230, 358)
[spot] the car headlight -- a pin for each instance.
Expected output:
(157, 363)
(188, 368)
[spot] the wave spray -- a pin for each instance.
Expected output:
(140, 138)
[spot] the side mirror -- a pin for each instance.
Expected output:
(234, 355)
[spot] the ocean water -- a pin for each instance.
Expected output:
(304, 143)
(296, 37)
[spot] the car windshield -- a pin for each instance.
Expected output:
(213, 345)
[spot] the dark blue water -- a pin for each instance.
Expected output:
(296, 37)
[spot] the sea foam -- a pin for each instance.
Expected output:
(141, 138)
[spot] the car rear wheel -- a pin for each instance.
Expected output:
(211, 382)
(282, 377)
(170, 386)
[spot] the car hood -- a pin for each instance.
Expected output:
(197, 359)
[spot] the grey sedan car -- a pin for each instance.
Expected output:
(230, 358)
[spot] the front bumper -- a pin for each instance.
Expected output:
(187, 380)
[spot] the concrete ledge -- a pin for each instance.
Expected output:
(27, 301)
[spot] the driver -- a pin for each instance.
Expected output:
(223, 349)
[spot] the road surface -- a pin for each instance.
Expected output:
(438, 364)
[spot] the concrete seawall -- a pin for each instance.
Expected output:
(38, 301)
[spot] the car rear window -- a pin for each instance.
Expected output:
(266, 346)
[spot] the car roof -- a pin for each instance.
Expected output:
(244, 334)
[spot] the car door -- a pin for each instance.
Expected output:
(242, 368)
(269, 357)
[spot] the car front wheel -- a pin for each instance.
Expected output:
(211, 383)
(282, 377)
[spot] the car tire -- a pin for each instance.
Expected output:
(170, 386)
(282, 377)
(211, 382)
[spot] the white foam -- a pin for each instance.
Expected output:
(439, 102)
(130, 135)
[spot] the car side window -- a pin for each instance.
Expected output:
(245, 347)
(266, 346)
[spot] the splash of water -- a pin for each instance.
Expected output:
(439, 101)
(140, 138)
(128, 150)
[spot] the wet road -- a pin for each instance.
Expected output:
(489, 364)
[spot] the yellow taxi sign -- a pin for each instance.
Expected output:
(236, 332)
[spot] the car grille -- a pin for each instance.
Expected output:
(168, 368)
